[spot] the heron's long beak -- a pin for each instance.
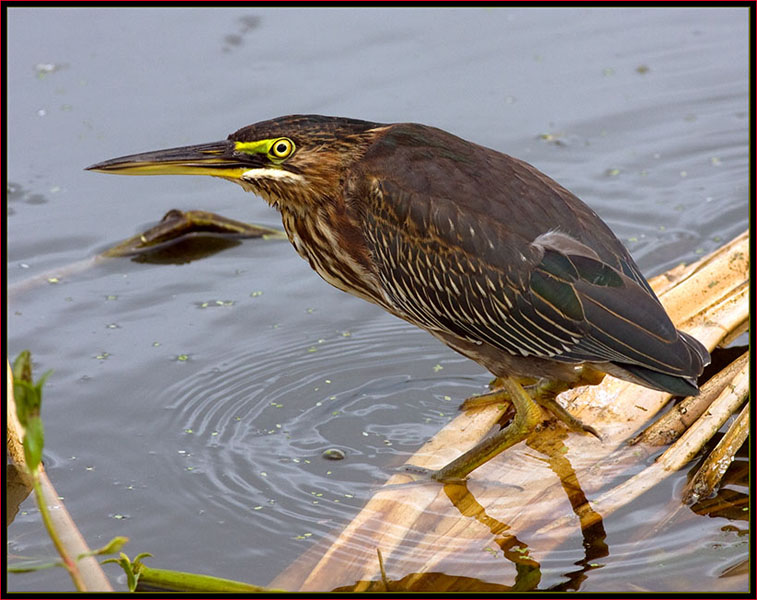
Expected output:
(216, 159)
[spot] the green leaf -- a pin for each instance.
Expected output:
(23, 390)
(30, 567)
(111, 547)
(138, 558)
(132, 569)
(22, 366)
(34, 442)
(28, 396)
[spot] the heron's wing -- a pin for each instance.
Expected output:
(491, 187)
(521, 287)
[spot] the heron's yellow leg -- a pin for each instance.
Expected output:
(527, 416)
(544, 392)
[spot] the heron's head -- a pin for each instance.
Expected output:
(289, 161)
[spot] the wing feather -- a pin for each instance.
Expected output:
(523, 266)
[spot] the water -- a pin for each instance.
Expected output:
(198, 431)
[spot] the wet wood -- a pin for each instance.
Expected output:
(177, 224)
(711, 472)
(180, 237)
(498, 527)
(668, 428)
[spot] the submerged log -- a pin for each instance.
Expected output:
(498, 526)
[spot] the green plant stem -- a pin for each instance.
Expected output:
(165, 579)
(69, 563)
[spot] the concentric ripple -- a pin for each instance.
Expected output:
(252, 428)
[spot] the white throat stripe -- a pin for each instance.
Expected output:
(281, 174)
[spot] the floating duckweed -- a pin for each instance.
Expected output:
(209, 303)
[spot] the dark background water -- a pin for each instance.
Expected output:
(213, 463)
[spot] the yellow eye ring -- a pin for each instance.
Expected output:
(281, 148)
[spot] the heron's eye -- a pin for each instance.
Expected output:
(281, 149)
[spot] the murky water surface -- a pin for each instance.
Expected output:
(191, 403)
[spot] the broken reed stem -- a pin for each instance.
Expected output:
(670, 426)
(716, 464)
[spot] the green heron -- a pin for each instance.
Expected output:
(478, 248)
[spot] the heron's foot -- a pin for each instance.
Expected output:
(545, 394)
(527, 416)
(487, 399)
(497, 395)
